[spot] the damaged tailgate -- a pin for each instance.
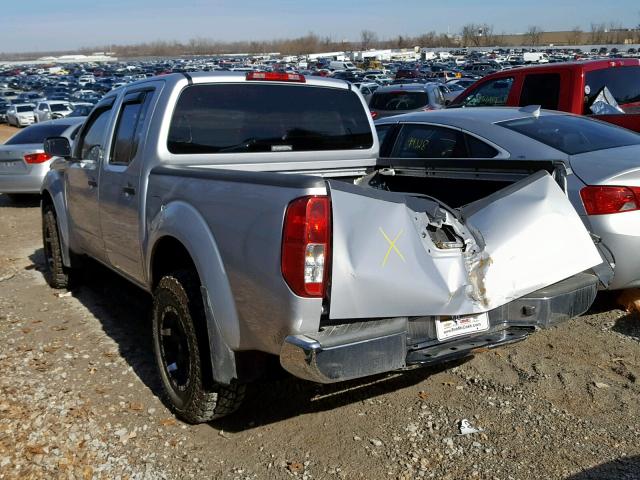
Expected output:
(398, 254)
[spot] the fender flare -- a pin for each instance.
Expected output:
(185, 224)
(54, 187)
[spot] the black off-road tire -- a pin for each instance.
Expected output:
(179, 318)
(55, 273)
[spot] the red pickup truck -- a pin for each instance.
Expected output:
(569, 87)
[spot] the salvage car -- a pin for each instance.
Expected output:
(51, 110)
(23, 163)
(601, 161)
(21, 114)
(252, 208)
(608, 90)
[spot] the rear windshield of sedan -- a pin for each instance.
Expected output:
(36, 134)
(235, 118)
(24, 108)
(573, 135)
(59, 107)
(399, 100)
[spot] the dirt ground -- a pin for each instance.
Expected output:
(79, 398)
(6, 131)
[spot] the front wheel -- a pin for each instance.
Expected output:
(181, 346)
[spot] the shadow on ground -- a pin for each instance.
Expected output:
(605, 300)
(625, 468)
(124, 312)
(629, 325)
(19, 200)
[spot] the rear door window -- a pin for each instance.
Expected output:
(479, 149)
(428, 141)
(232, 118)
(541, 89)
(622, 82)
(490, 94)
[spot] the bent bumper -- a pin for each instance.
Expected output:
(358, 349)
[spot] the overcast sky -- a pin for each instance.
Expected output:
(45, 25)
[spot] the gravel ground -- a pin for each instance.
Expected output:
(79, 398)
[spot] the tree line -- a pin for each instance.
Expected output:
(470, 35)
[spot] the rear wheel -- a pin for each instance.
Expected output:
(56, 274)
(181, 349)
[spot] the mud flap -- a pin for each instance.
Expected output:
(396, 254)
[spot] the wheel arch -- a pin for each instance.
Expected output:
(179, 237)
(52, 196)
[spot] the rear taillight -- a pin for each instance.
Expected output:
(306, 238)
(37, 157)
(606, 200)
(276, 77)
(374, 114)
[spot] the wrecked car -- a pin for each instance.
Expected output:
(251, 208)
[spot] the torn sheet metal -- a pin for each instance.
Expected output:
(398, 255)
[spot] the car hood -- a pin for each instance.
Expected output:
(613, 166)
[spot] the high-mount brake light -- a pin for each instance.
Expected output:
(605, 200)
(37, 158)
(276, 77)
(306, 238)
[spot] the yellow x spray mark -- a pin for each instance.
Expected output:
(392, 245)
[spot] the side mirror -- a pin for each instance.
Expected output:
(58, 147)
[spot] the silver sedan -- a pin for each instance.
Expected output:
(488, 146)
(23, 163)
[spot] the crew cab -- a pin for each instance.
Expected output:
(578, 87)
(248, 206)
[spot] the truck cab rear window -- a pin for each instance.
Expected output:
(236, 118)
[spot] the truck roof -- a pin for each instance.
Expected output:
(230, 76)
(576, 65)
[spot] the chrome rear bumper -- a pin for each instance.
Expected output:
(358, 349)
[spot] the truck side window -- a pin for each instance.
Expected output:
(427, 141)
(622, 82)
(541, 89)
(130, 120)
(491, 94)
(93, 135)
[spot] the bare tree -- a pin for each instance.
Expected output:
(472, 35)
(367, 39)
(598, 33)
(533, 35)
(426, 40)
(487, 34)
(574, 37)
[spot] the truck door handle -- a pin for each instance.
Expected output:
(92, 183)
(129, 190)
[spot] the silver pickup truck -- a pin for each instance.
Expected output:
(249, 207)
